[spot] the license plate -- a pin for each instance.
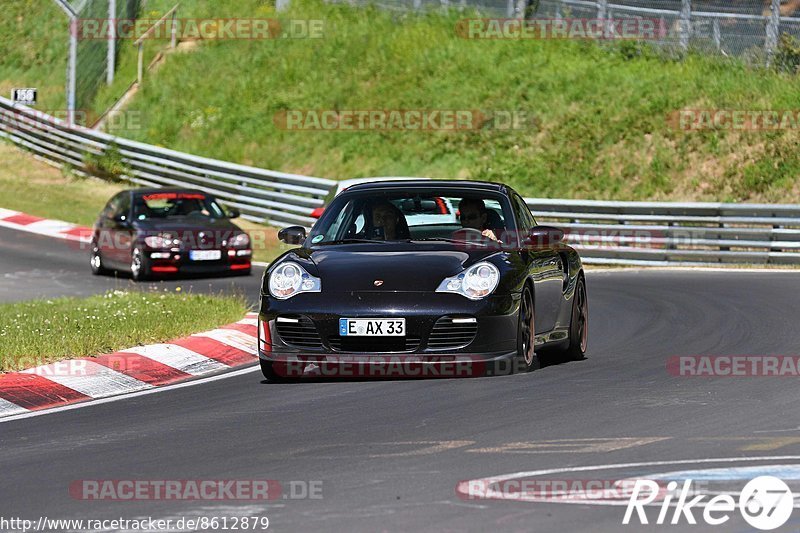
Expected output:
(205, 255)
(372, 327)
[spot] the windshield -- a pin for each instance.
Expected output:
(446, 215)
(176, 204)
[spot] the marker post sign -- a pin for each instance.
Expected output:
(24, 96)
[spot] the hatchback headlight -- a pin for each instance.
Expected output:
(476, 282)
(289, 279)
(162, 240)
(239, 241)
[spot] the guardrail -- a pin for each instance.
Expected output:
(647, 233)
(664, 233)
(265, 196)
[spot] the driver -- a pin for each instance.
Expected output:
(388, 217)
(474, 215)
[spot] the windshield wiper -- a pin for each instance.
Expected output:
(351, 241)
(454, 241)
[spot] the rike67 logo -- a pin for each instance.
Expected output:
(765, 503)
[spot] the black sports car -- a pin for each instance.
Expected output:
(159, 232)
(386, 284)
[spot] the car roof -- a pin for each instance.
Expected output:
(154, 190)
(344, 184)
(428, 183)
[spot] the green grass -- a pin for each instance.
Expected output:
(33, 187)
(602, 130)
(34, 36)
(42, 331)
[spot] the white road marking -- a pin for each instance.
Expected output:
(589, 445)
(9, 409)
(49, 227)
(96, 381)
(469, 487)
(5, 213)
(249, 321)
(232, 337)
(178, 357)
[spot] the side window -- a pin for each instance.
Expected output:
(124, 207)
(522, 213)
(112, 207)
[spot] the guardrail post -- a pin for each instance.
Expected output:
(685, 24)
(602, 15)
(174, 37)
(112, 42)
(717, 34)
(773, 27)
(140, 64)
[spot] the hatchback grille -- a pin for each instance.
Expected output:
(373, 344)
(298, 331)
(449, 334)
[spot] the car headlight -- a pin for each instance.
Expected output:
(162, 240)
(239, 241)
(476, 282)
(289, 279)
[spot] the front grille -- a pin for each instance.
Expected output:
(373, 344)
(448, 335)
(299, 331)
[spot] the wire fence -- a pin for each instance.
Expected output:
(91, 62)
(750, 29)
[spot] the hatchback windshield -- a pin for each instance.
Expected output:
(445, 215)
(172, 204)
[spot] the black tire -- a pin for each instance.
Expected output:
(579, 323)
(268, 369)
(526, 359)
(140, 268)
(96, 261)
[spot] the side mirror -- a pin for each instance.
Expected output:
(292, 234)
(541, 237)
(233, 213)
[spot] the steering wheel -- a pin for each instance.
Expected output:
(468, 234)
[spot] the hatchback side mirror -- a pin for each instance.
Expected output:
(541, 237)
(292, 234)
(233, 213)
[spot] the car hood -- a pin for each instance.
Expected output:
(414, 267)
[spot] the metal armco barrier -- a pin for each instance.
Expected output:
(265, 196)
(635, 233)
(667, 233)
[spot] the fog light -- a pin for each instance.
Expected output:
(160, 255)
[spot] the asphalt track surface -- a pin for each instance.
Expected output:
(389, 454)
